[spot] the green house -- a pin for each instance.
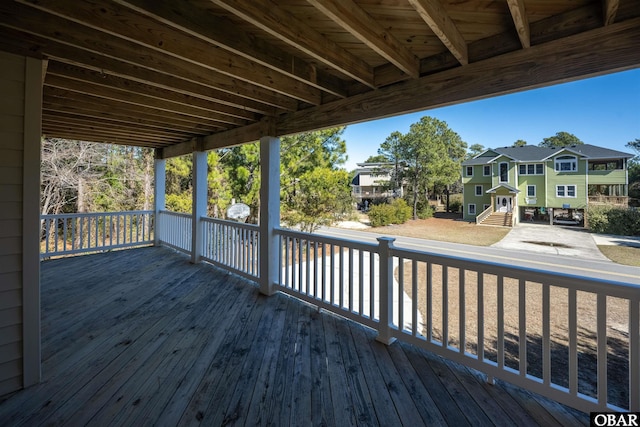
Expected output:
(503, 186)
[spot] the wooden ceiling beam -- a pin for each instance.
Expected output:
(229, 138)
(91, 109)
(443, 26)
(115, 23)
(79, 126)
(223, 33)
(586, 54)
(51, 112)
(104, 104)
(138, 100)
(97, 78)
(359, 23)
(521, 22)
(97, 134)
(283, 25)
(106, 139)
(200, 89)
(88, 42)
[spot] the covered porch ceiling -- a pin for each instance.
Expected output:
(203, 74)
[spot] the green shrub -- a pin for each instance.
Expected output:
(598, 220)
(397, 212)
(401, 211)
(426, 211)
(455, 205)
(611, 220)
(379, 215)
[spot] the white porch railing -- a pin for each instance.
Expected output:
(335, 274)
(573, 339)
(484, 215)
(174, 230)
(232, 245)
(68, 234)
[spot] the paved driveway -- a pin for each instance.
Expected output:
(553, 240)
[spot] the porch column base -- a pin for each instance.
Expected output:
(386, 340)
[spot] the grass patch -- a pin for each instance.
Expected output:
(625, 255)
(446, 228)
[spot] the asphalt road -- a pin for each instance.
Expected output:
(566, 264)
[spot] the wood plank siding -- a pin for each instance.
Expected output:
(20, 112)
(144, 337)
(12, 84)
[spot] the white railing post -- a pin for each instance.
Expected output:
(159, 198)
(386, 290)
(269, 212)
(199, 203)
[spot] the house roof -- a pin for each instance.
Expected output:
(202, 74)
(508, 187)
(533, 153)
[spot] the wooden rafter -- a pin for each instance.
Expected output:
(92, 77)
(115, 21)
(355, 20)
(283, 25)
(111, 92)
(223, 72)
(123, 54)
(552, 62)
(443, 26)
(223, 33)
(519, 15)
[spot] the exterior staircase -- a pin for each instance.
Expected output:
(501, 219)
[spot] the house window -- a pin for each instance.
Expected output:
(531, 191)
(531, 169)
(606, 165)
(478, 190)
(486, 170)
(469, 170)
(565, 191)
(566, 164)
(472, 209)
(504, 172)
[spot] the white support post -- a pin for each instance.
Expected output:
(159, 197)
(269, 212)
(199, 206)
(386, 291)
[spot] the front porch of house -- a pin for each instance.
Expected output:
(144, 337)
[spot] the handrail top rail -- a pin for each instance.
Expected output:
(172, 213)
(94, 214)
(252, 227)
(564, 280)
(371, 247)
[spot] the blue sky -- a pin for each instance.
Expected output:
(602, 111)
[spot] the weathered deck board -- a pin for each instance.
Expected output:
(143, 337)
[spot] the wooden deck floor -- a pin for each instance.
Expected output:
(143, 337)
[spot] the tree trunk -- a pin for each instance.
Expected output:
(415, 201)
